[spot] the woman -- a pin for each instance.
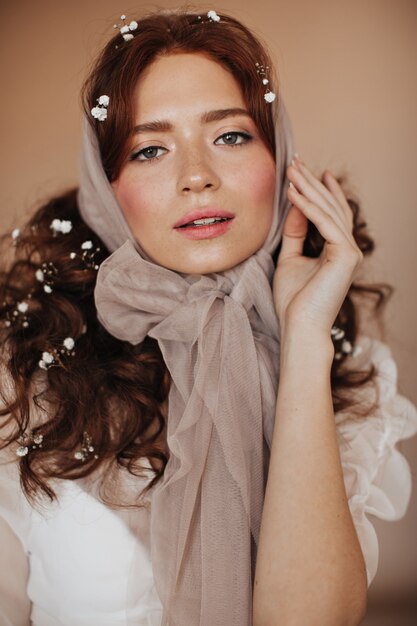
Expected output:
(142, 400)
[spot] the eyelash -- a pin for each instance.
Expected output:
(245, 136)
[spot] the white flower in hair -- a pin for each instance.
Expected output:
(104, 101)
(40, 275)
(212, 15)
(47, 289)
(87, 245)
(126, 29)
(16, 233)
(69, 343)
(22, 307)
(47, 357)
(99, 113)
(66, 226)
(61, 226)
(346, 346)
(270, 96)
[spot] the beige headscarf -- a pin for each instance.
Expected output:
(219, 336)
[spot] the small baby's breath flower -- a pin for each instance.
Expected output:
(346, 346)
(270, 96)
(123, 17)
(66, 226)
(212, 15)
(22, 451)
(47, 357)
(40, 275)
(127, 36)
(99, 113)
(133, 25)
(73, 255)
(124, 29)
(87, 245)
(61, 226)
(69, 343)
(47, 289)
(104, 101)
(15, 233)
(22, 307)
(265, 81)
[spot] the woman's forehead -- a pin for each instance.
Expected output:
(190, 81)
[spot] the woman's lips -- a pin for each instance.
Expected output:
(200, 214)
(186, 227)
(207, 231)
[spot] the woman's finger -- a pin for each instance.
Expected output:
(315, 182)
(325, 223)
(330, 189)
(311, 193)
(338, 193)
(294, 233)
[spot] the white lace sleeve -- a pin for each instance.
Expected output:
(377, 476)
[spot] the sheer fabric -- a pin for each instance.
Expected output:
(219, 336)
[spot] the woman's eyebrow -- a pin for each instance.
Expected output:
(210, 116)
(221, 114)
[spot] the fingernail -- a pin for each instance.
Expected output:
(297, 157)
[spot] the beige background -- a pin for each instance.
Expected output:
(348, 75)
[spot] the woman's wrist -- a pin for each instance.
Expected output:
(307, 347)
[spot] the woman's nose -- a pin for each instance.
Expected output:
(197, 174)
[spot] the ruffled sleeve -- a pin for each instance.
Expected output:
(377, 476)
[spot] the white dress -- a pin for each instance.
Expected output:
(81, 563)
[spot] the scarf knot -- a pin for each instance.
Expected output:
(147, 299)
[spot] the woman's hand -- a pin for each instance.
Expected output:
(308, 293)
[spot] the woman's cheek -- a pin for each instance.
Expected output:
(263, 182)
(131, 200)
(260, 187)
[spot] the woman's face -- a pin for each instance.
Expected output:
(196, 155)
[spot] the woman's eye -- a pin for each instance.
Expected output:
(233, 139)
(147, 154)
